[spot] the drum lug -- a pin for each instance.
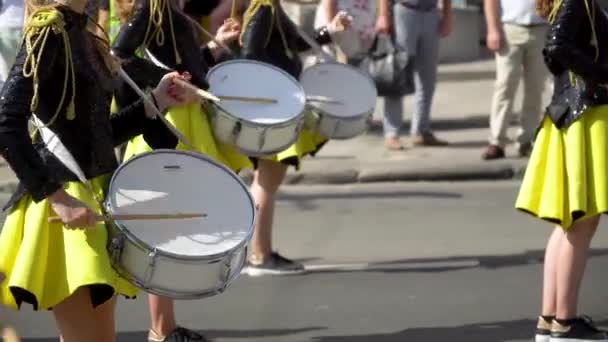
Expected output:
(149, 273)
(335, 128)
(238, 126)
(227, 269)
(116, 246)
(262, 139)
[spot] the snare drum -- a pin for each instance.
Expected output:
(340, 100)
(179, 258)
(256, 129)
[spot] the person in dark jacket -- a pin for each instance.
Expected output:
(566, 182)
(269, 36)
(65, 76)
(162, 31)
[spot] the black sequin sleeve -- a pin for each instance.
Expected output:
(563, 51)
(132, 121)
(131, 118)
(15, 143)
(200, 7)
(208, 58)
(256, 35)
(133, 32)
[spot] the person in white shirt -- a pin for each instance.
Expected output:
(517, 35)
(11, 26)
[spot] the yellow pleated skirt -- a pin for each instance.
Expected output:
(308, 143)
(45, 263)
(566, 178)
(193, 122)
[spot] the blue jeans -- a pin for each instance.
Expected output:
(418, 33)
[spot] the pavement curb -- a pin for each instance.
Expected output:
(379, 174)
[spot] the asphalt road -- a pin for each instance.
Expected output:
(389, 262)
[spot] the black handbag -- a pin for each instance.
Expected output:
(391, 68)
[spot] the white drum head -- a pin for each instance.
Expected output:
(256, 79)
(356, 91)
(180, 182)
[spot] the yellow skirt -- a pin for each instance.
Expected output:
(45, 263)
(566, 178)
(307, 143)
(192, 121)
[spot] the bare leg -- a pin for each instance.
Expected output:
(268, 178)
(78, 321)
(550, 272)
(162, 315)
(573, 257)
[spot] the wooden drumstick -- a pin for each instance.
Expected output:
(134, 217)
(247, 99)
(216, 98)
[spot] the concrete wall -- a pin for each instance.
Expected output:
(462, 45)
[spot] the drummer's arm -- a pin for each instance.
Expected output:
(131, 119)
(321, 35)
(15, 143)
(256, 34)
(136, 119)
(210, 53)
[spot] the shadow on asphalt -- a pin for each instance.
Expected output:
(482, 332)
(367, 195)
(450, 264)
(461, 121)
(305, 202)
(143, 335)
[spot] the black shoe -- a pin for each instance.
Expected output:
(543, 330)
(275, 264)
(178, 335)
(577, 330)
(525, 150)
(493, 152)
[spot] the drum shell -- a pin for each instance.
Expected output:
(333, 127)
(357, 90)
(151, 270)
(164, 272)
(254, 139)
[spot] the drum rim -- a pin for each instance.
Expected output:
(270, 66)
(344, 66)
(160, 252)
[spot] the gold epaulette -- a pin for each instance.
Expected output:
(39, 26)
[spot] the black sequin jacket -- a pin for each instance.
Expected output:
(90, 136)
(570, 55)
(262, 40)
(194, 58)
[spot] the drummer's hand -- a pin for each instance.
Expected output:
(340, 22)
(73, 213)
(228, 32)
(169, 93)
